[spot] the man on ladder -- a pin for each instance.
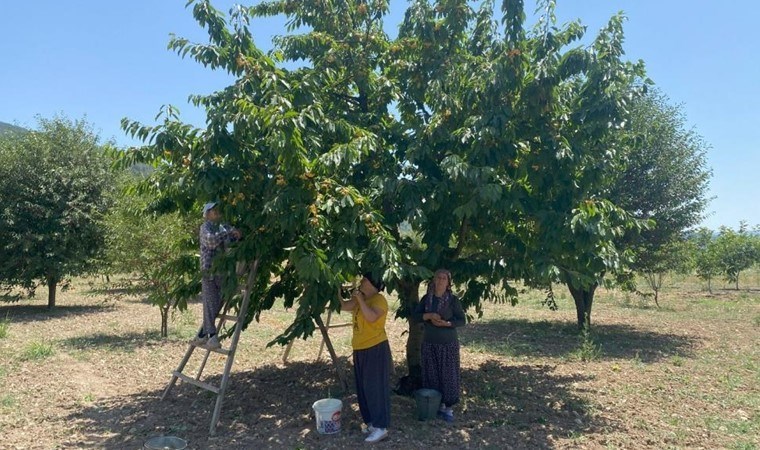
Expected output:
(214, 237)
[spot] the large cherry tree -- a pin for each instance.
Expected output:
(468, 142)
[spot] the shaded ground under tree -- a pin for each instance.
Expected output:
(674, 376)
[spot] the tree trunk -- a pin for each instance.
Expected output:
(410, 296)
(52, 285)
(165, 308)
(584, 298)
(656, 302)
(165, 319)
(656, 280)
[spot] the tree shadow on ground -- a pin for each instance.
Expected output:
(553, 339)
(25, 313)
(116, 290)
(271, 407)
(125, 342)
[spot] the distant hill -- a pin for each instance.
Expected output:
(8, 128)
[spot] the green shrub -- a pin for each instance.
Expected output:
(588, 350)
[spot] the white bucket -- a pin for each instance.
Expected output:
(327, 413)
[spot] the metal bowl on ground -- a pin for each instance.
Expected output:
(165, 443)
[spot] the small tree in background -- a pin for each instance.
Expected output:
(672, 257)
(664, 178)
(705, 254)
(152, 247)
(52, 182)
(736, 251)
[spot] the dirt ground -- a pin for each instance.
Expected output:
(90, 374)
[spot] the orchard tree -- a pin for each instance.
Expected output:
(505, 150)
(493, 158)
(288, 153)
(52, 182)
(706, 259)
(145, 243)
(736, 251)
(674, 257)
(664, 178)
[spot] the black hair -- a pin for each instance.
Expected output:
(376, 281)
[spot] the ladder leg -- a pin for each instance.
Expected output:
(182, 364)
(203, 364)
(322, 345)
(222, 320)
(287, 352)
(227, 369)
(233, 347)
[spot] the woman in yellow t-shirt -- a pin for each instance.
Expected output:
(372, 356)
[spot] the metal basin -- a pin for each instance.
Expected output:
(165, 443)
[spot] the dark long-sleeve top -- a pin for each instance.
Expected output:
(452, 312)
(214, 237)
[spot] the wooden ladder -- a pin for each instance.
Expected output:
(229, 353)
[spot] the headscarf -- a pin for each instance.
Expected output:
(444, 300)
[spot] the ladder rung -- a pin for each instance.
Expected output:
(200, 384)
(228, 317)
(339, 325)
(221, 350)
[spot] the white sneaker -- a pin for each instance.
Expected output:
(213, 343)
(367, 428)
(377, 435)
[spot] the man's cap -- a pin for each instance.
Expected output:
(208, 207)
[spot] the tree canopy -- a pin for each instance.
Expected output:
(151, 246)
(489, 142)
(52, 182)
(664, 177)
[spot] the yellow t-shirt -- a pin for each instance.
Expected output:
(368, 334)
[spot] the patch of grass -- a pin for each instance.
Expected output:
(731, 381)
(677, 361)
(89, 398)
(179, 428)
(756, 321)
(183, 324)
(576, 436)
(4, 325)
(491, 394)
(743, 426)
(744, 446)
(7, 401)
(37, 350)
(588, 350)
(637, 361)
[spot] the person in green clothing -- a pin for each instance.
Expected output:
(441, 312)
(372, 356)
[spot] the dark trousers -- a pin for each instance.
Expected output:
(211, 294)
(440, 370)
(372, 371)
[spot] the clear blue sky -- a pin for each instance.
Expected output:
(107, 60)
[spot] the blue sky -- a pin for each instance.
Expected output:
(105, 60)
